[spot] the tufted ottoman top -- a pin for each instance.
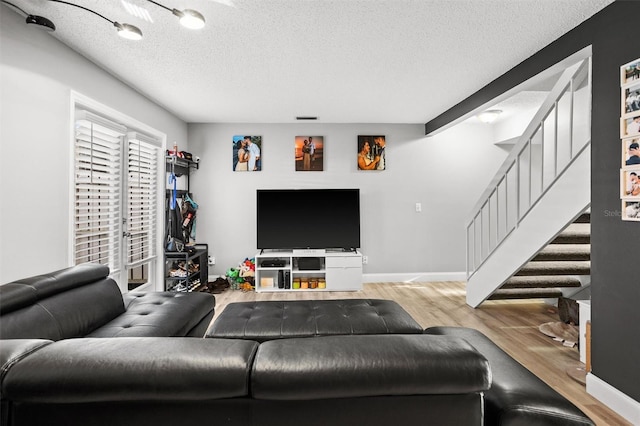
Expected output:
(268, 320)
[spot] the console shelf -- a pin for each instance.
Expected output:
(321, 271)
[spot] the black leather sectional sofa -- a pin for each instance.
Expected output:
(74, 351)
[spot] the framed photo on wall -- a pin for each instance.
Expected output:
(372, 152)
(309, 153)
(631, 152)
(247, 153)
(630, 183)
(630, 72)
(631, 98)
(631, 210)
(630, 126)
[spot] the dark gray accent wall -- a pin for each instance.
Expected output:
(615, 244)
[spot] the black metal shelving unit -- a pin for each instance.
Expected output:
(193, 262)
(193, 258)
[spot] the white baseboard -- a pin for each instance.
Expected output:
(403, 277)
(619, 402)
(414, 277)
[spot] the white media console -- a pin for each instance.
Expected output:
(308, 270)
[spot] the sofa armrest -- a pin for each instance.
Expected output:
(132, 369)
(367, 365)
(14, 350)
(516, 397)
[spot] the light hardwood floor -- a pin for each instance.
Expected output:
(512, 325)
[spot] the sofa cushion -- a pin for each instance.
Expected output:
(367, 365)
(162, 314)
(132, 369)
(267, 320)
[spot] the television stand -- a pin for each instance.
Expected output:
(309, 270)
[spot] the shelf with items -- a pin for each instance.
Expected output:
(187, 270)
(328, 271)
(180, 166)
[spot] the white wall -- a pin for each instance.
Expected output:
(38, 74)
(446, 173)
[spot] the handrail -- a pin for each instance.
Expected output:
(546, 149)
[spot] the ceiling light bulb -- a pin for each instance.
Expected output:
(189, 18)
(128, 31)
(489, 116)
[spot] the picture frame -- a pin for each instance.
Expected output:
(631, 210)
(630, 152)
(630, 126)
(630, 99)
(246, 153)
(309, 153)
(371, 152)
(630, 184)
(630, 72)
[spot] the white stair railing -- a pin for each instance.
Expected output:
(559, 132)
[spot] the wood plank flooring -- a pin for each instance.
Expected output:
(512, 325)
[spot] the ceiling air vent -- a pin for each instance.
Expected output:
(306, 117)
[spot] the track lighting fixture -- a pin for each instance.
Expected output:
(127, 31)
(189, 18)
(39, 21)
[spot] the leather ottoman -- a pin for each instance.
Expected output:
(268, 320)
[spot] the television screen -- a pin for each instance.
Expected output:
(290, 219)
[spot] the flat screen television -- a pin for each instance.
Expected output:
(289, 219)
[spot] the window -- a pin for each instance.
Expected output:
(98, 171)
(116, 198)
(142, 199)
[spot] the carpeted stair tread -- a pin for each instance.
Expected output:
(547, 281)
(583, 218)
(575, 233)
(533, 293)
(556, 268)
(575, 252)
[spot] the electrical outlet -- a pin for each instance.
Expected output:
(365, 260)
(418, 207)
(211, 260)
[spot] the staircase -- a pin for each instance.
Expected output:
(528, 236)
(557, 266)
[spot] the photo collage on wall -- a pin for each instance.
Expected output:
(308, 153)
(630, 138)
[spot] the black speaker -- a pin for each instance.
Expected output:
(280, 279)
(309, 263)
(287, 280)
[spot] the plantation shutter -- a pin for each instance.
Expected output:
(142, 197)
(98, 187)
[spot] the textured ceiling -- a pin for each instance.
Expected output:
(344, 61)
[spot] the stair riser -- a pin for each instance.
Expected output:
(548, 295)
(562, 239)
(547, 272)
(551, 284)
(562, 257)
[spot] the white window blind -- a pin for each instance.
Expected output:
(142, 189)
(98, 187)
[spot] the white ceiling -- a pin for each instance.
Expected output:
(344, 61)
